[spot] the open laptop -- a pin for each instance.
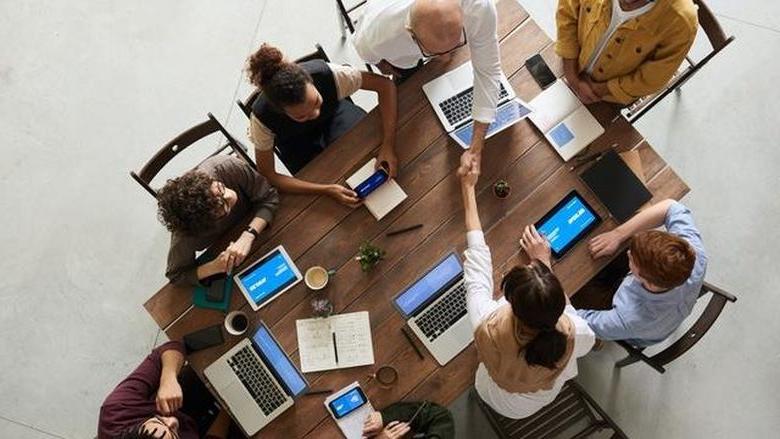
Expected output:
(256, 380)
(434, 307)
(452, 95)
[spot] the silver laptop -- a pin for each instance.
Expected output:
(256, 380)
(434, 307)
(452, 95)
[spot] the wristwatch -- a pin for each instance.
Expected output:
(252, 231)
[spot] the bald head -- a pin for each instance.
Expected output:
(437, 24)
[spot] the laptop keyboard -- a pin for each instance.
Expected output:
(458, 107)
(444, 314)
(257, 381)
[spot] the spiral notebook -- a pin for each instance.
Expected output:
(335, 342)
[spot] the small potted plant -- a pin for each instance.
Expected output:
(502, 188)
(369, 255)
(322, 307)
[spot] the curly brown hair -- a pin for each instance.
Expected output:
(187, 204)
(282, 82)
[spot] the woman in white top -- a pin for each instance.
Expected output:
(529, 338)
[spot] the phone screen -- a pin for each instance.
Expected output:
(204, 338)
(347, 403)
(371, 183)
(540, 71)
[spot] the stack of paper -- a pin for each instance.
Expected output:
(382, 200)
(336, 342)
(564, 121)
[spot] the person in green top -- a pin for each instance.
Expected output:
(428, 420)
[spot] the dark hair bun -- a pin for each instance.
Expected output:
(546, 349)
(264, 64)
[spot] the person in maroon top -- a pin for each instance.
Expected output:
(148, 403)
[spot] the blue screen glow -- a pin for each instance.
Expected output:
(561, 135)
(270, 276)
(505, 115)
(347, 403)
(565, 224)
(278, 361)
(428, 285)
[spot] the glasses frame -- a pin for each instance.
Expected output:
(427, 54)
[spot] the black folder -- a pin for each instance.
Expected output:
(613, 182)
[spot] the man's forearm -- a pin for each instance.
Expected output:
(650, 218)
(470, 208)
(478, 137)
(172, 361)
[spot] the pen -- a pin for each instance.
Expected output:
(404, 230)
(335, 350)
(409, 338)
(319, 391)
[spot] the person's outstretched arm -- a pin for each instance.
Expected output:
(608, 243)
(388, 109)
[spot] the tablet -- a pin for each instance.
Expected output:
(567, 223)
(267, 278)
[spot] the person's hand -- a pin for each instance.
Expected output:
(169, 396)
(605, 244)
(469, 161)
(372, 425)
(585, 91)
(387, 160)
(394, 430)
(221, 263)
(469, 179)
(343, 195)
(237, 251)
(536, 245)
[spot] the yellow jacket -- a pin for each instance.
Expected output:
(642, 55)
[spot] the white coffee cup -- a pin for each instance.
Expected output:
(236, 322)
(317, 277)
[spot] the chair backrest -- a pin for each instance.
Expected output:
(706, 320)
(712, 28)
(246, 104)
(572, 408)
(345, 12)
(181, 142)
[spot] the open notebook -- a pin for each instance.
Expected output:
(384, 198)
(564, 121)
(336, 342)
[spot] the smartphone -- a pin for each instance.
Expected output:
(371, 183)
(540, 71)
(219, 289)
(203, 338)
(347, 403)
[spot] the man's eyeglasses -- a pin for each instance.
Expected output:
(428, 54)
(224, 206)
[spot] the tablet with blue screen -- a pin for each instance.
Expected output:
(267, 278)
(567, 223)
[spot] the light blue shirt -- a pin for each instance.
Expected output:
(643, 318)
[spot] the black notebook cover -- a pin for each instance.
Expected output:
(616, 186)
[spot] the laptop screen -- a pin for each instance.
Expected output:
(424, 289)
(278, 362)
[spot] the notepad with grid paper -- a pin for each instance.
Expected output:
(353, 344)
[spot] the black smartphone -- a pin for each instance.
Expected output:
(374, 181)
(219, 288)
(203, 338)
(347, 403)
(540, 71)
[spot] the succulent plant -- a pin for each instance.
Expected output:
(321, 307)
(502, 189)
(369, 255)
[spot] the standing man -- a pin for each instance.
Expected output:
(398, 34)
(621, 50)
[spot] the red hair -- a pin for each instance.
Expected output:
(663, 259)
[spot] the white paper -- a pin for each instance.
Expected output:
(353, 342)
(382, 200)
(553, 105)
(352, 424)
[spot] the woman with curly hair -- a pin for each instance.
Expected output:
(203, 204)
(303, 108)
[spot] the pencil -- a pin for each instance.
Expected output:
(319, 391)
(404, 230)
(335, 350)
(411, 342)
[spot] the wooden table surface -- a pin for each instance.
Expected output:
(319, 231)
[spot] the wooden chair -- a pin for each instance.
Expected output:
(687, 340)
(717, 39)
(181, 142)
(347, 22)
(572, 409)
(246, 104)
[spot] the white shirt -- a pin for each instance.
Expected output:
(381, 34)
(619, 16)
(478, 278)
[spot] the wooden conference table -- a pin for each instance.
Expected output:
(319, 231)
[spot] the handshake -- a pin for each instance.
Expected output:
(468, 171)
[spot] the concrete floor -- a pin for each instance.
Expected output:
(88, 89)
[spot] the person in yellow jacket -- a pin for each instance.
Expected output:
(621, 50)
